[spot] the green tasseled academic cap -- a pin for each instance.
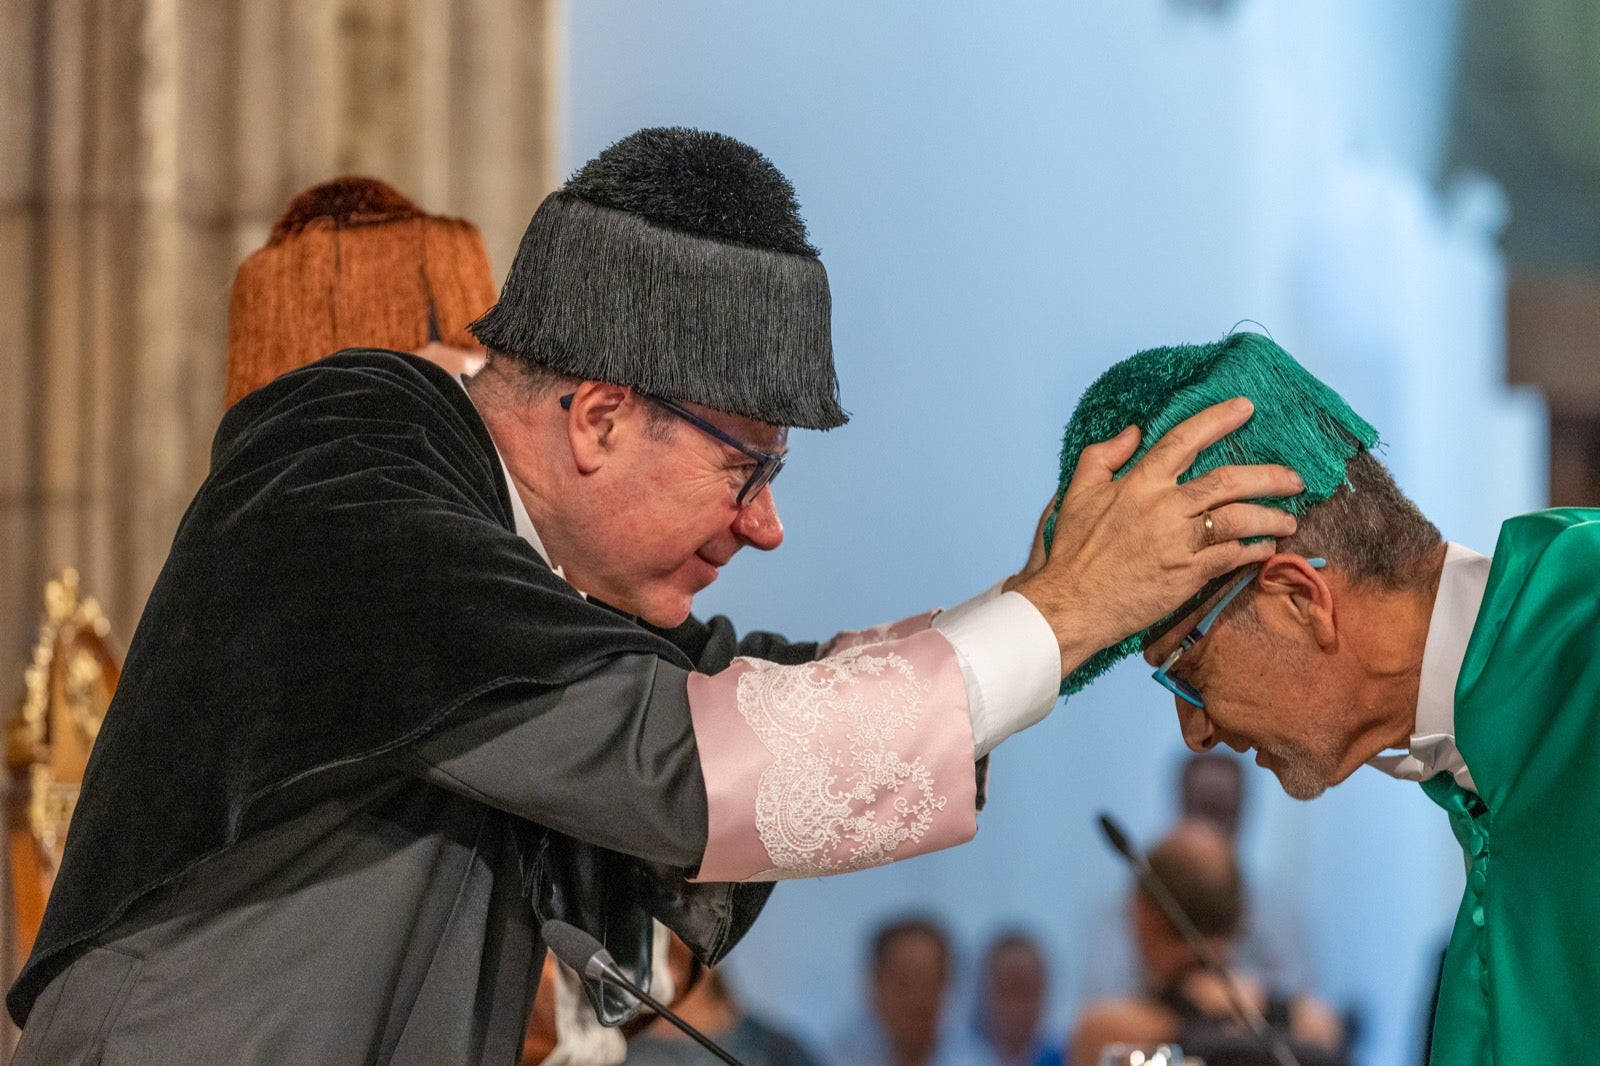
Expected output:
(1299, 422)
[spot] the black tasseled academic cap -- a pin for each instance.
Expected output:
(676, 262)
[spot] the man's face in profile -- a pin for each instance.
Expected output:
(1267, 686)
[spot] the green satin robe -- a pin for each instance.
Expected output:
(1522, 973)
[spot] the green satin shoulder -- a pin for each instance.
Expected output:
(1522, 974)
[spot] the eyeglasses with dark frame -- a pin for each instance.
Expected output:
(1239, 582)
(768, 464)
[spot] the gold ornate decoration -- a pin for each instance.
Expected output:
(66, 690)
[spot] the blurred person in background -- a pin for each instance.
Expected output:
(1185, 1002)
(1013, 985)
(908, 984)
(353, 263)
(1211, 789)
(1272, 943)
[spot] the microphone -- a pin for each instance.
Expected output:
(589, 957)
(1157, 890)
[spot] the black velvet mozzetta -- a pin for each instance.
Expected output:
(347, 577)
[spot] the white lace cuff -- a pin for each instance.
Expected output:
(857, 759)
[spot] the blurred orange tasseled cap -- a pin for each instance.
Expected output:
(352, 263)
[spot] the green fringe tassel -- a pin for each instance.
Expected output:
(1299, 422)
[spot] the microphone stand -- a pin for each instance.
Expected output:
(589, 957)
(1158, 891)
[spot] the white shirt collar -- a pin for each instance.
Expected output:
(1455, 611)
(519, 510)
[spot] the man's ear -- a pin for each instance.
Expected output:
(1303, 590)
(592, 418)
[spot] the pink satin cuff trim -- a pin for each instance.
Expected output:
(859, 759)
(856, 638)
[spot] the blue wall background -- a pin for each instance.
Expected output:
(1008, 198)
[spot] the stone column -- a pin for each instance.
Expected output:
(145, 147)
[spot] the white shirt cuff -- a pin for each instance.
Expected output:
(1009, 660)
(952, 615)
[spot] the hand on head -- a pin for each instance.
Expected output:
(1130, 550)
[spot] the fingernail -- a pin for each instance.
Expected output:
(1242, 404)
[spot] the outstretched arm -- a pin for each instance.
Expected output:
(769, 769)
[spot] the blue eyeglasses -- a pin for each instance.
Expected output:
(1163, 673)
(768, 464)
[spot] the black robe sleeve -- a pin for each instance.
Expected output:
(609, 759)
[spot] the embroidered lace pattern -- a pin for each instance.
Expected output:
(838, 795)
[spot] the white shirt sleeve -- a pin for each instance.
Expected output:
(1009, 660)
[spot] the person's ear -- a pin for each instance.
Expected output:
(593, 416)
(1303, 591)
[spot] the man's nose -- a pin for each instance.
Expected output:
(758, 525)
(1196, 726)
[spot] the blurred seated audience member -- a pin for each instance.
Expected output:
(1012, 985)
(1272, 942)
(1211, 790)
(1185, 1003)
(910, 974)
(713, 1009)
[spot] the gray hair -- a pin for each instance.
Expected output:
(1369, 531)
(535, 383)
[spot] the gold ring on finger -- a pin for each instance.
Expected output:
(1210, 528)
